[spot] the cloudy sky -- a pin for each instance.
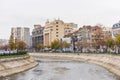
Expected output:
(15, 13)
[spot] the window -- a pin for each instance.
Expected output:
(56, 25)
(57, 29)
(56, 35)
(56, 22)
(56, 32)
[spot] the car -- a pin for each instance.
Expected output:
(1, 52)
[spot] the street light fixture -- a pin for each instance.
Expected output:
(74, 39)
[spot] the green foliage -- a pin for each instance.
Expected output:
(14, 56)
(40, 46)
(65, 44)
(110, 42)
(117, 40)
(55, 44)
(12, 43)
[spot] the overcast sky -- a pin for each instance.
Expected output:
(15, 13)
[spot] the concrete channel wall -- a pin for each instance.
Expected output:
(110, 62)
(11, 66)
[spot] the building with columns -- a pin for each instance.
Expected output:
(37, 35)
(57, 29)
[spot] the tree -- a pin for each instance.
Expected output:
(12, 43)
(117, 40)
(21, 45)
(4, 47)
(55, 44)
(110, 42)
(65, 44)
(40, 46)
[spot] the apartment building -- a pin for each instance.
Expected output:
(57, 29)
(21, 34)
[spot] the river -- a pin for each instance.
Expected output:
(58, 69)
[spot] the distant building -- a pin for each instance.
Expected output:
(107, 31)
(21, 34)
(57, 29)
(37, 35)
(90, 36)
(116, 29)
(68, 40)
(3, 42)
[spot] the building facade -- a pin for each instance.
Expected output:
(91, 36)
(116, 29)
(37, 35)
(57, 29)
(21, 34)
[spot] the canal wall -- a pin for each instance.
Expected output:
(110, 62)
(11, 66)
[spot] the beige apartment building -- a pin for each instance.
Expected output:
(57, 29)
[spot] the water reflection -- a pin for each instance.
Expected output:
(56, 69)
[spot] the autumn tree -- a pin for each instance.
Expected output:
(65, 44)
(117, 40)
(12, 43)
(40, 46)
(110, 42)
(21, 45)
(55, 44)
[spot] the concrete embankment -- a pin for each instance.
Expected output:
(11, 66)
(110, 62)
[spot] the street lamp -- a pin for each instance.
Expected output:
(74, 39)
(61, 42)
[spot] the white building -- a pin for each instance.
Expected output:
(21, 34)
(116, 29)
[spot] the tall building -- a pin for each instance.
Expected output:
(37, 35)
(21, 34)
(57, 29)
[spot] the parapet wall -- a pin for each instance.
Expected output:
(11, 66)
(110, 62)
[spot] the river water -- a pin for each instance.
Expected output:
(57, 69)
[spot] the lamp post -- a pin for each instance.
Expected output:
(61, 44)
(74, 39)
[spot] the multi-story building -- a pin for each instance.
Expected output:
(83, 35)
(37, 35)
(91, 36)
(107, 31)
(21, 34)
(57, 29)
(116, 29)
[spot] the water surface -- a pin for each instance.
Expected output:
(58, 69)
